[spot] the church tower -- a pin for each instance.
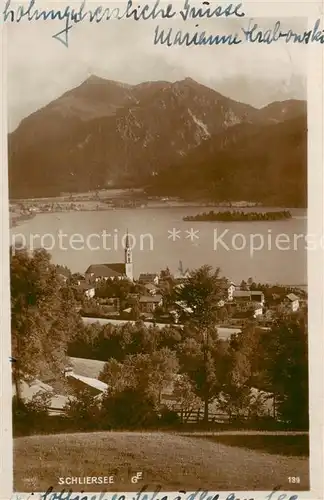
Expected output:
(128, 259)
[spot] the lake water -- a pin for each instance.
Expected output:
(157, 244)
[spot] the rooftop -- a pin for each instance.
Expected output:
(150, 298)
(292, 297)
(246, 293)
(91, 382)
(150, 286)
(107, 270)
(241, 293)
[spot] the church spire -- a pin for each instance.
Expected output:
(127, 240)
(128, 258)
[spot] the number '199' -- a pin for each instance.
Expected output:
(294, 479)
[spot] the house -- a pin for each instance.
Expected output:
(119, 270)
(90, 292)
(87, 289)
(292, 301)
(148, 278)
(257, 296)
(229, 288)
(110, 305)
(241, 296)
(258, 310)
(151, 289)
(94, 385)
(180, 309)
(38, 389)
(63, 273)
(148, 303)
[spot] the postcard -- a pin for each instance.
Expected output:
(162, 251)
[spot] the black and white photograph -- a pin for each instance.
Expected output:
(159, 243)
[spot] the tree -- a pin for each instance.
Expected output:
(223, 314)
(83, 408)
(244, 286)
(201, 293)
(285, 358)
(136, 311)
(167, 288)
(186, 398)
(114, 375)
(129, 408)
(238, 397)
(42, 317)
(203, 366)
(148, 373)
(235, 396)
(276, 362)
(250, 281)
(31, 414)
(165, 274)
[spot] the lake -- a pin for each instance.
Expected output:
(267, 251)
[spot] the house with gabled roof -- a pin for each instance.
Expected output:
(292, 301)
(148, 303)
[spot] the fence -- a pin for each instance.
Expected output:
(196, 416)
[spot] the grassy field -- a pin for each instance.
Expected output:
(175, 462)
(287, 445)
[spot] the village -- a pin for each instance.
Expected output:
(153, 296)
(107, 295)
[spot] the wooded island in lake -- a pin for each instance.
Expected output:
(236, 215)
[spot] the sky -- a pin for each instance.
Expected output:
(40, 69)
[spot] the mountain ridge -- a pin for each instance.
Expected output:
(104, 133)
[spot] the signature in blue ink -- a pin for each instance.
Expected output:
(254, 34)
(171, 37)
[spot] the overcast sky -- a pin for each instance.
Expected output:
(40, 68)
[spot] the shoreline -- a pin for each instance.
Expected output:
(161, 205)
(19, 220)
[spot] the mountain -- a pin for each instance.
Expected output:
(264, 164)
(279, 111)
(94, 98)
(105, 133)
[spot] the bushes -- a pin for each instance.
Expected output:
(129, 409)
(32, 417)
(168, 417)
(83, 409)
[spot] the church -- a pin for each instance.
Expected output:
(119, 270)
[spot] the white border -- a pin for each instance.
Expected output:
(275, 8)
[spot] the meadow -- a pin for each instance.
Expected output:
(173, 461)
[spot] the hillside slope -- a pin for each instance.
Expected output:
(266, 164)
(175, 462)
